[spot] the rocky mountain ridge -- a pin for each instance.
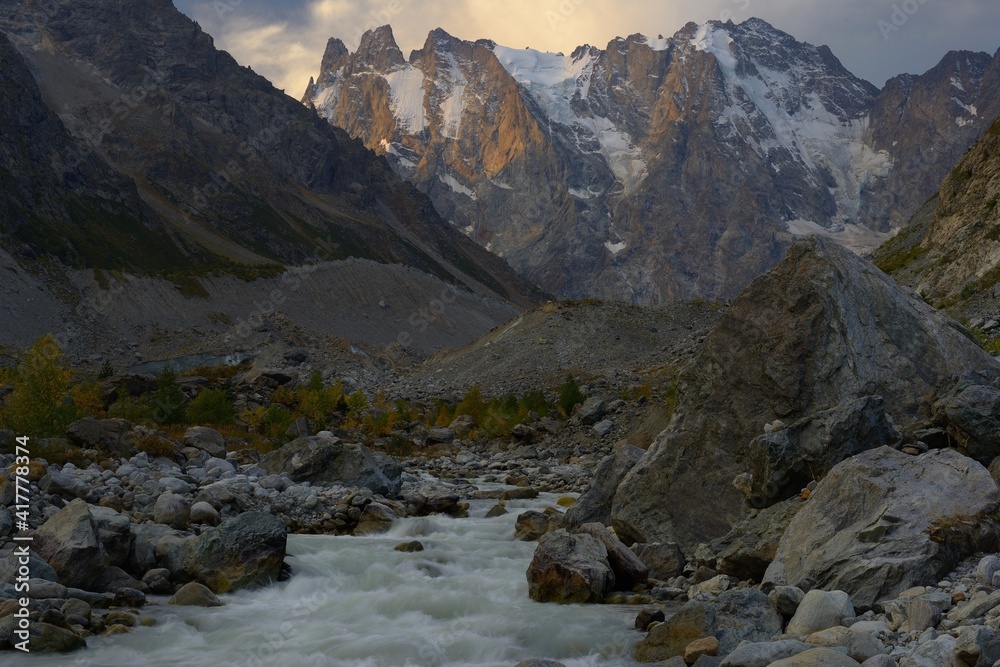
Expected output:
(656, 168)
(138, 149)
(950, 251)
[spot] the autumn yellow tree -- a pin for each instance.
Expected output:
(40, 405)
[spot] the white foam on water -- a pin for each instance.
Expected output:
(356, 602)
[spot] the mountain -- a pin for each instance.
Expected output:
(134, 145)
(950, 250)
(140, 165)
(655, 168)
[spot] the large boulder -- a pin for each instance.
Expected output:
(734, 617)
(569, 568)
(325, 459)
(69, 543)
(747, 550)
(207, 440)
(970, 413)
(882, 522)
(784, 460)
(110, 436)
(594, 504)
(244, 552)
(665, 560)
(65, 485)
(820, 330)
(172, 509)
(628, 567)
(114, 533)
(820, 610)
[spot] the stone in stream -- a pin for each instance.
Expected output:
(569, 568)
(244, 552)
(875, 526)
(432, 499)
(496, 510)
(410, 547)
(326, 460)
(194, 594)
(735, 616)
(47, 638)
(531, 525)
(375, 519)
(647, 616)
(537, 662)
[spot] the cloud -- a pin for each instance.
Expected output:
(284, 41)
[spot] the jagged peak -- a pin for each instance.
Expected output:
(583, 51)
(439, 38)
(335, 55)
(378, 51)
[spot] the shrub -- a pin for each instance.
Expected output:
(211, 406)
(472, 404)
(154, 445)
(277, 419)
(569, 396)
(128, 407)
(107, 370)
(88, 397)
(168, 399)
(357, 402)
(39, 404)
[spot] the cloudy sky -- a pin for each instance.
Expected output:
(875, 39)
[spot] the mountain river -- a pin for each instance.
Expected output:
(356, 602)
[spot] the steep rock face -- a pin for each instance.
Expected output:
(48, 174)
(232, 169)
(927, 123)
(950, 251)
(653, 169)
(822, 329)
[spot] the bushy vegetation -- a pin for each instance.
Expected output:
(211, 406)
(40, 404)
(569, 396)
(494, 417)
(168, 401)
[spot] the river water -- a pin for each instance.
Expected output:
(356, 602)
